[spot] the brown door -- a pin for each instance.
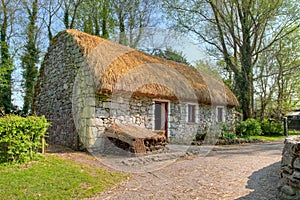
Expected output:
(161, 116)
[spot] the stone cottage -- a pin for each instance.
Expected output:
(86, 83)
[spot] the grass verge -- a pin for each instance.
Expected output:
(55, 178)
(268, 138)
(275, 137)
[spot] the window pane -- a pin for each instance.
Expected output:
(220, 114)
(191, 113)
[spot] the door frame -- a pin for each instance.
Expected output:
(168, 114)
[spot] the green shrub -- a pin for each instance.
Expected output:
(249, 127)
(20, 138)
(226, 128)
(270, 127)
(229, 136)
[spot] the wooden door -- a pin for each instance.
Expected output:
(161, 116)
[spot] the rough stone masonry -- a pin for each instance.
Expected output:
(289, 188)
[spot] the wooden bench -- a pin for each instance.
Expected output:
(140, 140)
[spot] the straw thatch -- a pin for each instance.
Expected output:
(121, 69)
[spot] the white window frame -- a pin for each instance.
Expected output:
(196, 112)
(223, 114)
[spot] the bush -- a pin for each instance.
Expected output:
(226, 128)
(249, 127)
(229, 136)
(20, 138)
(270, 127)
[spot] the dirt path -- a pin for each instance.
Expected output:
(228, 172)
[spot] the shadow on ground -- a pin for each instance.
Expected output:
(263, 183)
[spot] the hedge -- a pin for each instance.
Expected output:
(21, 137)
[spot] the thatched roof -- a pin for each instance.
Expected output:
(121, 69)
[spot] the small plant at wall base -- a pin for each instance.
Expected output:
(229, 136)
(226, 129)
(21, 138)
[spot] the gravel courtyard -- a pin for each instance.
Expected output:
(249, 171)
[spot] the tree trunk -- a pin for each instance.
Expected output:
(246, 80)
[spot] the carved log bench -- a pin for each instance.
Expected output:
(135, 139)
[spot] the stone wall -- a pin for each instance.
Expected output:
(181, 131)
(53, 96)
(140, 111)
(289, 188)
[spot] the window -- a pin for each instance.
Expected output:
(220, 114)
(191, 113)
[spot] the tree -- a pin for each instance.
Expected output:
(238, 31)
(30, 57)
(6, 64)
(278, 83)
(95, 17)
(170, 54)
(70, 11)
(50, 9)
(208, 68)
(132, 17)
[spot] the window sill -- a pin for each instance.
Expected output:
(191, 123)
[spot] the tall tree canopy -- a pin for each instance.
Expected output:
(238, 31)
(30, 57)
(7, 19)
(276, 77)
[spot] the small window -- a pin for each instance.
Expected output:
(220, 114)
(191, 113)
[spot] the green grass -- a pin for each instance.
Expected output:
(275, 137)
(268, 138)
(55, 178)
(294, 132)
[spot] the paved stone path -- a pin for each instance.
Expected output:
(242, 172)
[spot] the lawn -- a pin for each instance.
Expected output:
(275, 137)
(55, 178)
(268, 138)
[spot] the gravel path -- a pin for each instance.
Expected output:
(240, 172)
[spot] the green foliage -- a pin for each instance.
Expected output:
(55, 178)
(227, 132)
(249, 127)
(226, 128)
(20, 138)
(30, 57)
(270, 127)
(6, 69)
(294, 132)
(6, 61)
(208, 68)
(93, 17)
(229, 136)
(170, 54)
